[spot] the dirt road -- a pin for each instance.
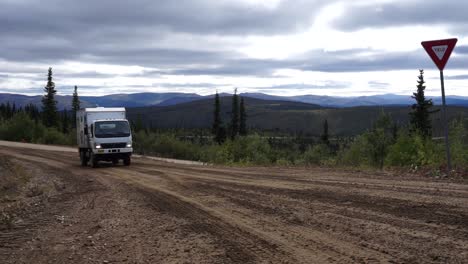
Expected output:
(159, 212)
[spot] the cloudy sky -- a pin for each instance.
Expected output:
(323, 47)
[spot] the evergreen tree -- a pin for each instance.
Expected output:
(234, 116)
(216, 115)
(380, 139)
(8, 111)
(2, 111)
(217, 128)
(221, 135)
(32, 111)
(419, 117)
(75, 105)
(49, 105)
(324, 136)
(65, 123)
(243, 119)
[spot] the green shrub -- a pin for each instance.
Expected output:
(251, 149)
(357, 154)
(317, 155)
(459, 142)
(414, 150)
(20, 128)
(371, 148)
(165, 145)
(214, 154)
(54, 137)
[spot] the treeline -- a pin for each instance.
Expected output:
(386, 144)
(46, 125)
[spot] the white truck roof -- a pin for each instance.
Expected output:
(104, 109)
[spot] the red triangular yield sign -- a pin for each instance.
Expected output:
(439, 50)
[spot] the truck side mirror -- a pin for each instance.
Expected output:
(86, 130)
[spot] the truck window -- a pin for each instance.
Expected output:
(107, 129)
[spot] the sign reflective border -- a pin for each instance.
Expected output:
(439, 50)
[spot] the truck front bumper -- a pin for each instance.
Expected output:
(125, 151)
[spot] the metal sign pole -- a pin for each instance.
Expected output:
(444, 119)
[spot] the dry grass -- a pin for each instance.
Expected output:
(12, 177)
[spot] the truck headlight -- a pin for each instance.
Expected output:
(129, 144)
(97, 146)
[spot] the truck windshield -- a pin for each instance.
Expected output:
(107, 129)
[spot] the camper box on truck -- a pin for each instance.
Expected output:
(103, 134)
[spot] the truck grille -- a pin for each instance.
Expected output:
(113, 145)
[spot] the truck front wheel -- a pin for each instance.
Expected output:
(94, 160)
(83, 158)
(127, 161)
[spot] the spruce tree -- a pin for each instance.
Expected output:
(65, 122)
(2, 111)
(217, 128)
(324, 136)
(234, 116)
(8, 111)
(243, 119)
(49, 105)
(420, 116)
(380, 139)
(75, 105)
(216, 115)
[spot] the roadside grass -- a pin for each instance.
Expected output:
(13, 178)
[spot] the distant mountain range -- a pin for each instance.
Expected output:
(168, 99)
(295, 114)
(282, 116)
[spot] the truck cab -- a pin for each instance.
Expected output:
(103, 134)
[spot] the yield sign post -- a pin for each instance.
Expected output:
(439, 51)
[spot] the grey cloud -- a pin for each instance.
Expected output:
(141, 32)
(68, 89)
(303, 86)
(457, 77)
(203, 16)
(26, 90)
(461, 49)
(128, 33)
(355, 62)
(223, 64)
(147, 73)
(319, 60)
(377, 84)
(86, 74)
(416, 12)
(188, 85)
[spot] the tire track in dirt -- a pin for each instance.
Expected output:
(234, 233)
(241, 245)
(316, 242)
(392, 187)
(431, 212)
(395, 233)
(296, 215)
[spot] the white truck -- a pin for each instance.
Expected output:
(103, 134)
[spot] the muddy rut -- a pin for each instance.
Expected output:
(158, 212)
